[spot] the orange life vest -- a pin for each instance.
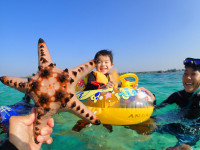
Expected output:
(100, 77)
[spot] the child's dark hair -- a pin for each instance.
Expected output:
(103, 52)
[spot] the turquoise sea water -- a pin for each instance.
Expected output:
(97, 137)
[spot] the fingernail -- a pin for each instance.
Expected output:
(49, 141)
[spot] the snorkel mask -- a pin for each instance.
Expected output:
(193, 63)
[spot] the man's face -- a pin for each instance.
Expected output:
(191, 80)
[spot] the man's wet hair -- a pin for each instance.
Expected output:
(193, 67)
(103, 52)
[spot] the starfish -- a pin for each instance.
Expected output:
(53, 89)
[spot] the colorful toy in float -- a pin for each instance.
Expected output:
(125, 82)
(121, 106)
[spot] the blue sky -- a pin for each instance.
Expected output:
(144, 35)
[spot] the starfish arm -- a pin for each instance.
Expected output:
(44, 57)
(81, 71)
(80, 110)
(41, 121)
(74, 105)
(19, 84)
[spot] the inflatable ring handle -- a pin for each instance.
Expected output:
(128, 84)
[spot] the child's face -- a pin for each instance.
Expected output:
(104, 64)
(191, 80)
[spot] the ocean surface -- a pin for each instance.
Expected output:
(123, 138)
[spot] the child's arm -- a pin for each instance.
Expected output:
(135, 86)
(110, 84)
(92, 84)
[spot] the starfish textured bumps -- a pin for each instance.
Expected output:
(53, 89)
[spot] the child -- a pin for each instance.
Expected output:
(99, 79)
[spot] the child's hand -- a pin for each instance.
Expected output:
(135, 86)
(109, 85)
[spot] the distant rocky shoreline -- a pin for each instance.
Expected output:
(159, 71)
(144, 72)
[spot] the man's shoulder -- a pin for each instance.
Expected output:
(176, 94)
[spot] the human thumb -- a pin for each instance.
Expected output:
(29, 119)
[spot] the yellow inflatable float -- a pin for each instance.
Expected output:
(119, 106)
